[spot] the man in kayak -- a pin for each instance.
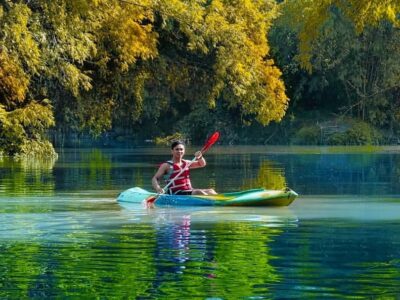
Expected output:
(180, 167)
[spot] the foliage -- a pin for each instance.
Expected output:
(114, 63)
(346, 132)
(22, 130)
(308, 135)
(23, 120)
(169, 139)
(337, 138)
(34, 149)
(192, 66)
(360, 133)
(354, 74)
(308, 17)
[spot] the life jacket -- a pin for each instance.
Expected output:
(182, 183)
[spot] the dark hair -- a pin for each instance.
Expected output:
(176, 143)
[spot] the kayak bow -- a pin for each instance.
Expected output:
(254, 197)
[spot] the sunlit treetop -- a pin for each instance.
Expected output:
(309, 16)
(234, 36)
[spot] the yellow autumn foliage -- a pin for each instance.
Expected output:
(93, 57)
(244, 75)
(122, 29)
(308, 16)
(13, 80)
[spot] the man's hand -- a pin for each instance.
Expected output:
(198, 155)
(160, 190)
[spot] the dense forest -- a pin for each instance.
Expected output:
(260, 71)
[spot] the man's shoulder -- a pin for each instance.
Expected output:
(167, 163)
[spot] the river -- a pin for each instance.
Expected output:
(63, 235)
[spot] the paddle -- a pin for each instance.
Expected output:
(211, 141)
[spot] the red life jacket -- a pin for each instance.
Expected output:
(182, 183)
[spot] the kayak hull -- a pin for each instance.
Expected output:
(255, 197)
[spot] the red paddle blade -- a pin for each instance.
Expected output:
(149, 202)
(211, 141)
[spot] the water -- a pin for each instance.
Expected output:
(62, 234)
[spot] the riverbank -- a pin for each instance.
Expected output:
(321, 131)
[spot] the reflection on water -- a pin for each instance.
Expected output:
(177, 251)
(26, 176)
(269, 176)
(313, 171)
(62, 234)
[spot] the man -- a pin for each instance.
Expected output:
(176, 173)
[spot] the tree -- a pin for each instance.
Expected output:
(24, 114)
(309, 17)
(101, 63)
(355, 71)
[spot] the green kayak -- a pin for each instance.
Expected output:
(255, 197)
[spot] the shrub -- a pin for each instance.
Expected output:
(337, 138)
(360, 133)
(308, 135)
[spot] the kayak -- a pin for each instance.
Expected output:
(254, 197)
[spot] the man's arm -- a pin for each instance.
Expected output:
(200, 161)
(154, 181)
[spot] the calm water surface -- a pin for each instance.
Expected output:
(62, 234)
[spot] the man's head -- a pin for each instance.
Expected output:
(178, 149)
(176, 143)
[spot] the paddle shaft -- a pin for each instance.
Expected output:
(207, 146)
(150, 201)
(179, 174)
